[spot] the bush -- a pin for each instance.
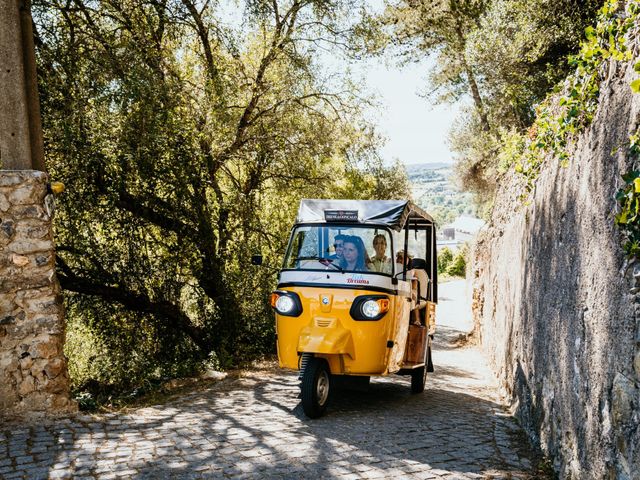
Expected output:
(458, 266)
(445, 256)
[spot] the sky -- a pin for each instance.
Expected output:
(416, 130)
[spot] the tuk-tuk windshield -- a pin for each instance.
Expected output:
(340, 247)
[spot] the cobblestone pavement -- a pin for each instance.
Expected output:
(253, 427)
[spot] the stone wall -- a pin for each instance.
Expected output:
(33, 370)
(556, 308)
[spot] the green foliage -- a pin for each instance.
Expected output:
(445, 256)
(503, 55)
(185, 145)
(563, 115)
(628, 219)
(433, 188)
(566, 113)
(453, 265)
(458, 264)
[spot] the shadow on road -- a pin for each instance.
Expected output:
(254, 428)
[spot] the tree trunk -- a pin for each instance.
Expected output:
(473, 84)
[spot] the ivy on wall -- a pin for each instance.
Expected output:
(570, 109)
(629, 201)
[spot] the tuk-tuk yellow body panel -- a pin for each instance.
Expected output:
(352, 347)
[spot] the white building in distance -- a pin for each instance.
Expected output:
(458, 232)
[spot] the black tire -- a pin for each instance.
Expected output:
(418, 379)
(419, 375)
(316, 387)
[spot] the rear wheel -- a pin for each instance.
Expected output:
(316, 387)
(418, 379)
(419, 375)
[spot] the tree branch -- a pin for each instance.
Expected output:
(136, 302)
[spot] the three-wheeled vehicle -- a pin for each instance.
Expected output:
(343, 307)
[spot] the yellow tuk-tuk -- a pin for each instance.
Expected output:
(345, 307)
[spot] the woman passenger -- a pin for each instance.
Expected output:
(380, 262)
(353, 255)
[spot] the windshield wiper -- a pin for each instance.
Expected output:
(324, 261)
(329, 263)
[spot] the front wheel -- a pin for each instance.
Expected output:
(316, 387)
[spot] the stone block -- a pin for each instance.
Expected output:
(29, 211)
(61, 403)
(7, 229)
(54, 368)
(58, 385)
(36, 401)
(26, 363)
(24, 246)
(50, 324)
(48, 347)
(8, 320)
(8, 361)
(31, 293)
(34, 229)
(28, 195)
(27, 386)
(8, 397)
(45, 259)
(16, 317)
(4, 203)
(11, 179)
(19, 260)
(7, 303)
(45, 305)
(28, 279)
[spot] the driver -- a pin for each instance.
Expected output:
(338, 243)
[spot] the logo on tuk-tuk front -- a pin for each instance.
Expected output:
(358, 279)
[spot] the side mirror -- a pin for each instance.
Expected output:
(256, 259)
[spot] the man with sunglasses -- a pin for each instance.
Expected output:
(338, 244)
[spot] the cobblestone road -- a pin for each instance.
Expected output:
(253, 427)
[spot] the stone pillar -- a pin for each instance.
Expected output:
(33, 369)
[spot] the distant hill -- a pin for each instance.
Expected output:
(421, 167)
(432, 189)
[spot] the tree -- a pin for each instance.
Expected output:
(458, 265)
(440, 28)
(185, 146)
(504, 55)
(445, 256)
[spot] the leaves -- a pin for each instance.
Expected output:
(505, 56)
(560, 118)
(186, 146)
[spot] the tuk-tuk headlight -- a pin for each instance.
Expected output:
(370, 309)
(286, 303)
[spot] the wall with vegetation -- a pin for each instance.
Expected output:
(555, 298)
